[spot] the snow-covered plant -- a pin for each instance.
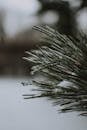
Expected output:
(61, 59)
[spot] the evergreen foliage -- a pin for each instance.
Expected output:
(62, 58)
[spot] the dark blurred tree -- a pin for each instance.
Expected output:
(67, 14)
(2, 31)
(66, 23)
(83, 4)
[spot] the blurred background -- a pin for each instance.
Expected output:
(17, 19)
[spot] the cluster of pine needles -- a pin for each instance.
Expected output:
(62, 58)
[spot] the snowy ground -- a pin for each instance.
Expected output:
(37, 114)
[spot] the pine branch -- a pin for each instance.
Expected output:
(62, 58)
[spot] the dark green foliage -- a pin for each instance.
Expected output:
(62, 58)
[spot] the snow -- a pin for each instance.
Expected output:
(35, 114)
